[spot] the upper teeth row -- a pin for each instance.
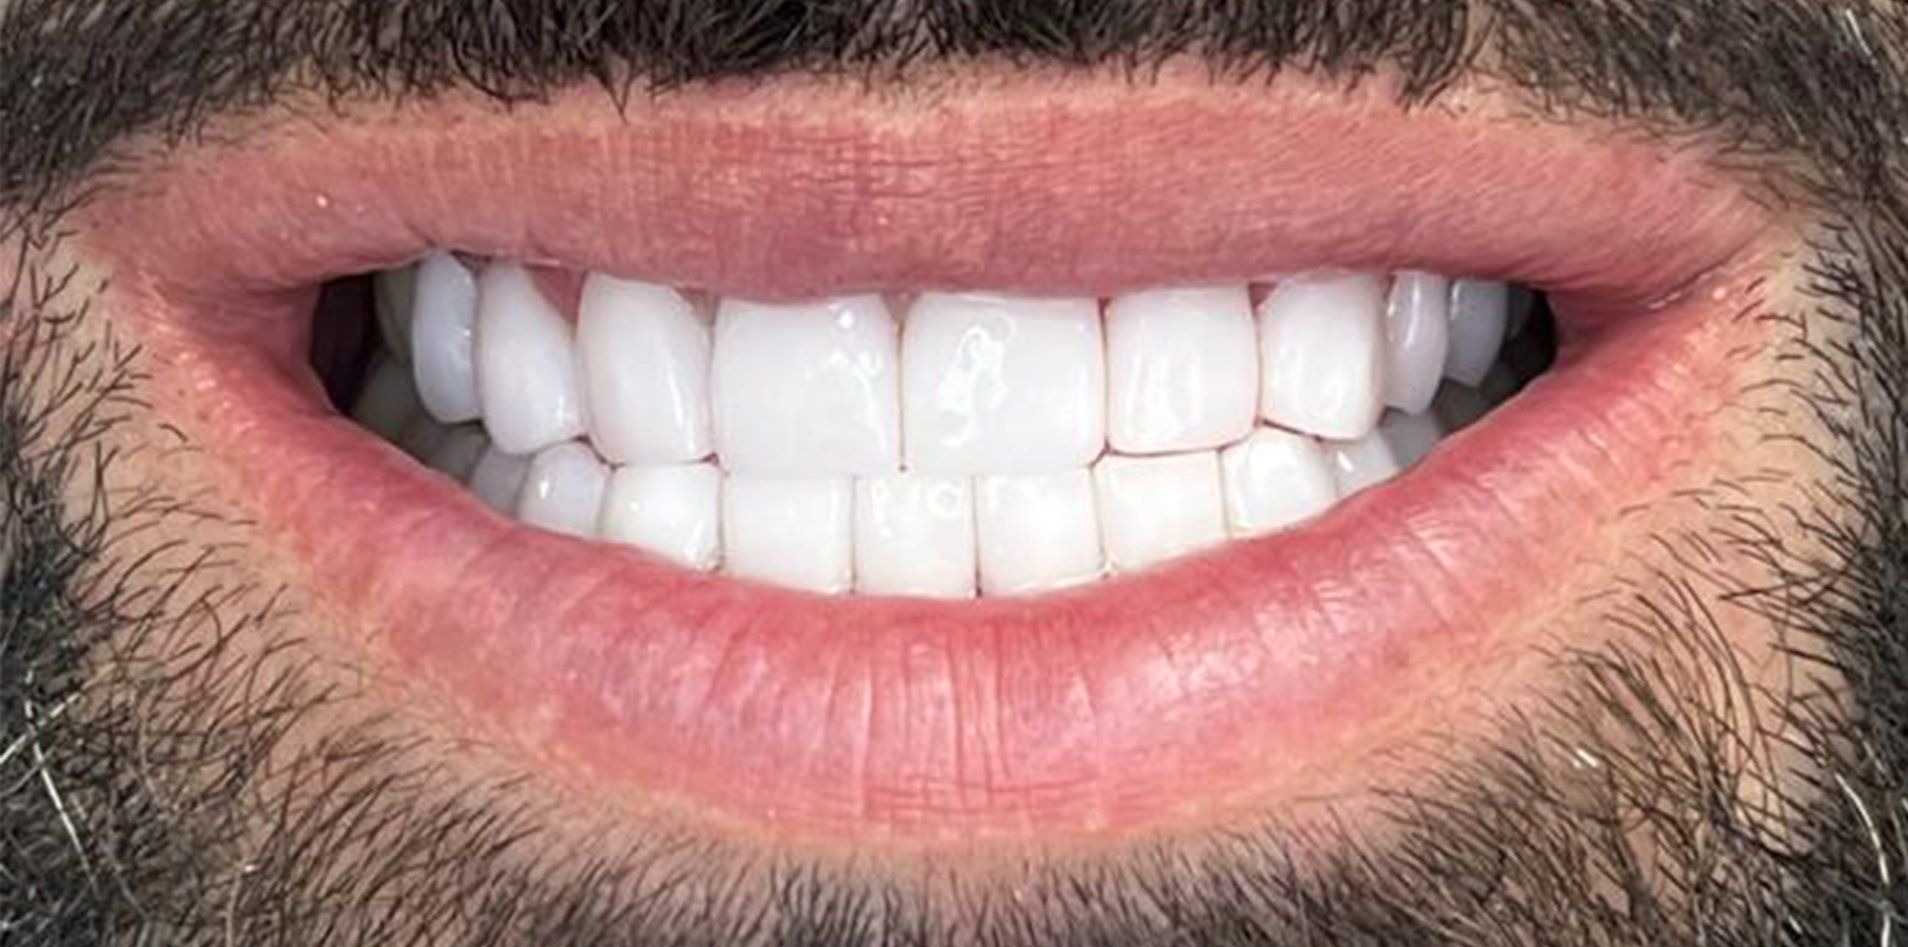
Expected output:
(960, 384)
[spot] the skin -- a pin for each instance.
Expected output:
(1707, 749)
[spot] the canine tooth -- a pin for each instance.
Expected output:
(498, 479)
(1363, 463)
(444, 339)
(1275, 479)
(797, 533)
(388, 401)
(564, 490)
(645, 357)
(1480, 310)
(1001, 384)
(807, 390)
(458, 451)
(1037, 532)
(914, 535)
(1182, 369)
(526, 363)
(1411, 436)
(394, 292)
(1322, 345)
(1417, 339)
(672, 511)
(1156, 508)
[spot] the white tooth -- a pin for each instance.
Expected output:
(807, 390)
(1363, 463)
(421, 437)
(1322, 345)
(444, 339)
(1157, 508)
(1037, 533)
(914, 535)
(1459, 406)
(564, 490)
(1417, 338)
(645, 355)
(1275, 479)
(457, 453)
(388, 401)
(1479, 311)
(1411, 436)
(498, 479)
(394, 292)
(1182, 369)
(1002, 384)
(793, 533)
(526, 363)
(673, 511)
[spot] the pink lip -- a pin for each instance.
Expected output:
(1238, 676)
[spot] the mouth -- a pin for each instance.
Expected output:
(944, 469)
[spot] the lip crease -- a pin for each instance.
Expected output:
(1217, 682)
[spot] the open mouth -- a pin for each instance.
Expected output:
(938, 470)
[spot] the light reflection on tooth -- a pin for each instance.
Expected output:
(645, 355)
(1037, 532)
(498, 478)
(1182, 369)
(444, 339)
(1322, 345)
(915, 535)
(526, 364)
(672, 511)
(388, 401)
(1157, 508)
(564, 490)
(1417, 334)
(1362, 464)
(1273, 480)
(796, 533)
(1479, 311)
(807, 390)
(393, 292)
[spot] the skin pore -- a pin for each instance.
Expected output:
(1714, 754)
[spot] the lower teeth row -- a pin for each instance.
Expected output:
(977, 444)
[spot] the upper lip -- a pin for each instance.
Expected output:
(1239, 672)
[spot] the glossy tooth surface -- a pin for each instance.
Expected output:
(1156, 508)
(444, 339)
(498, 478)
(807, 390)
(1363, 463)
(1273, 480)
(1417, 339)
(914, 535)
(645, 362)
(526, 364)
(1037, 532)
(795, 533)
(563, 491)
(393, 292)
(1322, 352)
(1002, 384)
(1480, 311)
(456, 455)
(1411, 436)
(672, 511)
(1182, 369)
(388, 402)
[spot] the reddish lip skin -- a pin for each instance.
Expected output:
(1211, 684)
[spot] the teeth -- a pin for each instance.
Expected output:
(443, 339)
(388, 402)
(457, 453)
(1417, 333)
(1182, 369)
(1322, 345)
(1156, 508)
(498, 479)
(1037, 533)
(1275, 479)
(564, 490)
(526, 364)
(1480, 311)
(762, 516)
(421, 437)
(1362, 464)
(809, 390)
(645, 354)
(1411, 436)
(914, 535)
(674, 512)
(393, 292)
(1459, 406)
(1003, 384)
